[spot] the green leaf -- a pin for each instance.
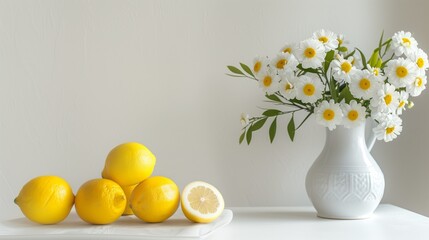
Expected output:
(346, 95)
(342, 49)
(247, 69)
(328, 59)
(273, 129)
(306, 70)
(249, 135)
(273, 97)
(380, 42)
(242, 137)
(363, 58)
(271, 112)
(350, 54)
(257, 125)
(388, 60)
(291, 128)
(235, 70)
(232, 75)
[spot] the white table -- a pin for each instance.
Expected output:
(295, 223)
(388, 223)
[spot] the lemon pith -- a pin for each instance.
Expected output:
(201, 202)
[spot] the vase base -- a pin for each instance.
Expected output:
(345, 217)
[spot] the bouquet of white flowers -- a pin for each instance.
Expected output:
(323, 77)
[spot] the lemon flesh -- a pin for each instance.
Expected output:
(128, 164)
(100, 201)
(201, 202)
(155, 199)
(46, 199)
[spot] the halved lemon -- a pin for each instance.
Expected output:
(201, 202)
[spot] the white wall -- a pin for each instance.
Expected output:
(79, 77)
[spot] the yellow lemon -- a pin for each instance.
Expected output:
(128, 190)
(201, 202)
(46, 199)
(155, 199)
(128, 164)
(100, 201)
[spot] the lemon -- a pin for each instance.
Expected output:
(155, 199)
(128, 164)
(46, 199)
(100, 201)
(201, 202)
(128, 190)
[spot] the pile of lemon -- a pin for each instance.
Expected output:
(126, 187)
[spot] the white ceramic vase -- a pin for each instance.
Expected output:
(345, 182)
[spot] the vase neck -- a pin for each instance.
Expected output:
(343, 137)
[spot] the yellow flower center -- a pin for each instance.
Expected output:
(328, 114)
(401, 71)
(406, 41)
(267, 81)
(323, 39)
(389, 130)
(346, 67)
(353, 115)
(364, 84)
(419, 82)
(287, 50)
(309, 89)
(310, 52)
(288, 87)
(388, 99)
(420, 62)
(257, 67)
(401, 104)
(281, 63)
(376, 71)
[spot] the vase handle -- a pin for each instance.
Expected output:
(370, 136)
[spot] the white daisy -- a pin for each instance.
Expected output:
(244, 119)
(386, 99)
(419, 84)
(354, 114)
(364, 84)
(401, 72)
(378, 114)
(404, 43)
(287, 85)
(357, 60)
(268, 81)
(308, 90)
(377, 72)
(260, 64)
(343, 69)
(328, 38)
(388, 129)
(340, 38)
(284, 61)
(403, 102)
(421, 60)
(311, 53)
(289, 48)
(329, 114)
